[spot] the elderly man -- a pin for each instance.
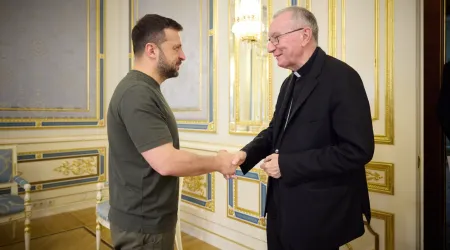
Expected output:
(317, 144)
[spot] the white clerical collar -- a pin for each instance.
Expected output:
(297, 74)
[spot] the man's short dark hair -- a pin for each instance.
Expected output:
(150, 29)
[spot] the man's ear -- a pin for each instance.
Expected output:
(307, 36)
(151, 50)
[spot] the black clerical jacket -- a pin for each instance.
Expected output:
(322, 194)
(444, 102)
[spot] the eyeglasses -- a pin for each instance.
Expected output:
(275, 40)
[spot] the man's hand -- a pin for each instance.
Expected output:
(238, 159)
(225, 163)
(270, 166)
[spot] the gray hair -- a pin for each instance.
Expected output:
(302, 17)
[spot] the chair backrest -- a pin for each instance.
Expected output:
(8, 163)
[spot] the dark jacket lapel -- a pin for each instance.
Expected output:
(307, 84)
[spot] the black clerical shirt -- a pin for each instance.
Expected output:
(300, 73)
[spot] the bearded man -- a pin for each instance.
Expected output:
(145, 161)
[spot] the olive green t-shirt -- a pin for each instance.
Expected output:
(139, 119)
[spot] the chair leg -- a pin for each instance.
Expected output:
(14, 229)
(178, 241)
(27, 233)
(98, 236)
(27, 205)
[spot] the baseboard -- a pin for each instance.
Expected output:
(218, 235)
(56, 202)
(69, 207)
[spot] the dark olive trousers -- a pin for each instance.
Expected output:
(123, 240)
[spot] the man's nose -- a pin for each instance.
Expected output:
(182, 56)
(270, 47)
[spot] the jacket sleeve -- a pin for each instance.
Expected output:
(260, 147)
(351, 122)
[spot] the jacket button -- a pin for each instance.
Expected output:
(276, 151)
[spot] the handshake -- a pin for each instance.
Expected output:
(227, 162)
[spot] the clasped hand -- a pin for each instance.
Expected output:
(271, 167)
(228, 162)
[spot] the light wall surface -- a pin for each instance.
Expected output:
(62, 132)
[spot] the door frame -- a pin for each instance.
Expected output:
(434, 230)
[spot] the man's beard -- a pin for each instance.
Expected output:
(165, 69)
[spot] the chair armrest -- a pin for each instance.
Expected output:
(100, 187)
(22, 183)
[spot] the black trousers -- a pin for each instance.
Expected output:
(274, 241)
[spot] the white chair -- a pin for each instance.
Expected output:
(178, 241)
(12, 206)
(102, 210)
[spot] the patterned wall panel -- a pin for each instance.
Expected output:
(193, 94)
(47, 170)
(252, 212)
(51, 64)
(199, 191)
(380, 177)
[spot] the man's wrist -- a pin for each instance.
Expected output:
(217, 163)
(243, 156)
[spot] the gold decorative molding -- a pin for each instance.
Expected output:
(375, 235)
(380, 177)
(389, 229)
(199, 191)
(387, 234)
(308, 5)
(195, 185)
(102, 178)
(247, 216)
(87, 165)
(348, 246)
(376, 111)
(332, 30)
(78, 167)
(388, 136)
